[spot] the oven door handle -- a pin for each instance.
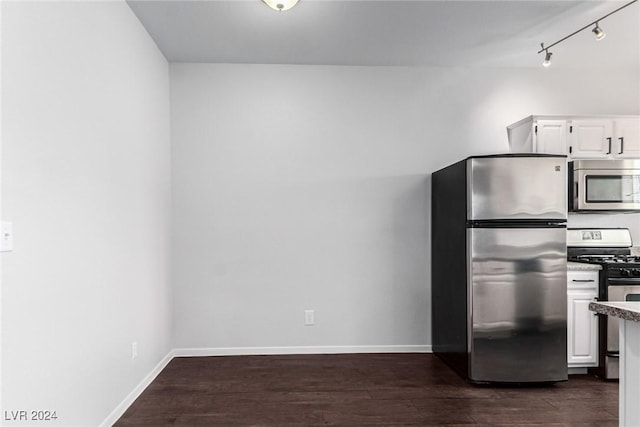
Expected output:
(624, 281)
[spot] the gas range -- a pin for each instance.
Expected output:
(608, 247)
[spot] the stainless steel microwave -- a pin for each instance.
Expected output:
(604, 185)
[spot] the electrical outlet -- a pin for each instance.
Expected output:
(309, 318)
(134, 350)
(6, 237)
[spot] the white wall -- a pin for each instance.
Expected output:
(1, 127)
(86, 182)
(307, 187)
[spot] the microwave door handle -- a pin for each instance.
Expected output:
(621, 145)
(609, 139)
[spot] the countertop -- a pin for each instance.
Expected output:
(629, 310)
(582, 266)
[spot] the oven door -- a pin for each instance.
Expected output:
(619, 290)
(606, 190)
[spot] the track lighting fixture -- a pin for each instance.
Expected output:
(596, 30)
(280, 5)
(547, 59)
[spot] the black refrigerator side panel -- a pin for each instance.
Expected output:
(448, 266)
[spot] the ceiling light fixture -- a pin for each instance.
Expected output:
(281, 5)
(597, 31)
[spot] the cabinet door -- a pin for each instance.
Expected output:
(591, 138)
(582, 329)
(627, 138)
(551, 137)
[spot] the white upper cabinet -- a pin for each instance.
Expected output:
(577, 137)
(551, 137)
(589, 138)
(627, 138)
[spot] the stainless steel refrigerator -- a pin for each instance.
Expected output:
(498, 262)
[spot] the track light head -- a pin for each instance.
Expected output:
(598, 32)
(547, 59)
(280, 5)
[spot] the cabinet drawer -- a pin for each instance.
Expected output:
(582, 280)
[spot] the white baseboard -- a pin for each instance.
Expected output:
(244, 351)
(137, 391)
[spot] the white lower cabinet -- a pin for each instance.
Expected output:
(582, 324)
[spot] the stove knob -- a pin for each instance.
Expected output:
(624, 272)
(636, 272)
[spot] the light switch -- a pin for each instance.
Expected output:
(6, 237)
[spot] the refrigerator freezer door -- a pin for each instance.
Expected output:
(517, 289)
(517, 188)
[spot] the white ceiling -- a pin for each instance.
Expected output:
(401, 33)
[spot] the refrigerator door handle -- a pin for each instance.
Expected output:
(517, 224)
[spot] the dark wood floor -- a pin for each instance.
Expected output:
(357, 389)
